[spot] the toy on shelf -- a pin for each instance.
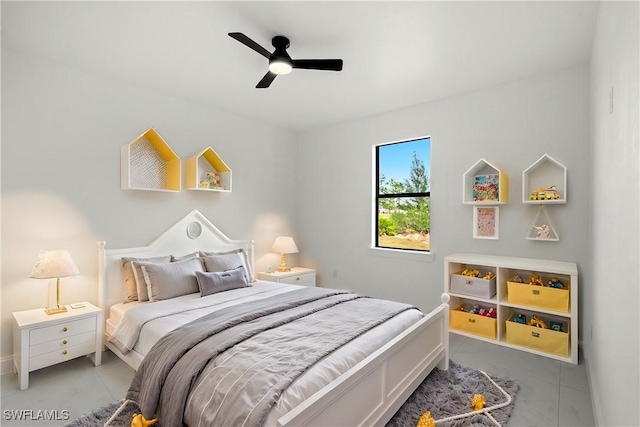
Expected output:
(520, 318)
(482, 311)
(213, 179)
(543, 232)
(556, 326)
(490, 275)
(535, 280)
(545, 193)
(516, 279)
(471, 273)
(555, 283)
(537, 322)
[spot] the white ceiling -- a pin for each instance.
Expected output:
(395, 54)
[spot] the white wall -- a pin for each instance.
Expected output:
(510, 125)
(62, 130)
(612, 307)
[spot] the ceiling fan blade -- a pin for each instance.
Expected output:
(266, 80)
(250, 43)
(318, 64)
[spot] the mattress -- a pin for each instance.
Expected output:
(320, 374)
(116, 313)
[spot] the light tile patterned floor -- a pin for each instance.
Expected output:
(551, 393)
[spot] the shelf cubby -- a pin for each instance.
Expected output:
(544, 173)
(204, 162)
(476, 192)
(149, 163)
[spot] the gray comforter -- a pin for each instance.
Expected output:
(181, 382)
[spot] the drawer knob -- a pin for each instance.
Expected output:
(64, 351)
(64, 341)
(297, 278)
(64, 329)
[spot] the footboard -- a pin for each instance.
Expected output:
(373, 390)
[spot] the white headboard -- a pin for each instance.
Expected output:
(192, 233)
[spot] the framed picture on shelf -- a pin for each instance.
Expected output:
(486, 187)
(485, 222)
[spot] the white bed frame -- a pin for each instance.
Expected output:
(366, 395)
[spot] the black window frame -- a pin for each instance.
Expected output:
(379, 196)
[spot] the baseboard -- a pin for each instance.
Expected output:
(593, 386)
(6, 365)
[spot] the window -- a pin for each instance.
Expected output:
(402, 196)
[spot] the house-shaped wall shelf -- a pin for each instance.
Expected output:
(148, 163)
(541, 228)
(485, 184)
(198, 166)
(545, 173)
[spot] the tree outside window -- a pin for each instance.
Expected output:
(402, 195)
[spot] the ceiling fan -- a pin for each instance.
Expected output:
(281, 63)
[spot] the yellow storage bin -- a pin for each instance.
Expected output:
(472, 323)
(546, 340)
(538, 296)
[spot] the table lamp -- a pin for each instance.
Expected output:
(284, 245)
(54, 265)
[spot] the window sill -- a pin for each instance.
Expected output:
(402, 254)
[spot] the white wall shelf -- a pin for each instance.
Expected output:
(559, 306)
(207, 161)
(476, 192)
(544, 173)
(541, 228)
(148, 163)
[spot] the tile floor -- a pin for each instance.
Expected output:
(551, 393)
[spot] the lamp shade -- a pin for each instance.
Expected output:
(284, 245)
(53, 265)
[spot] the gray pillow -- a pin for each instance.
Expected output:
(131, 285)
(215, 262)
(172, 279)
(183, 257)
(214, 282)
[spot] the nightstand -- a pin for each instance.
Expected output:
(41, 340)
(297, 276)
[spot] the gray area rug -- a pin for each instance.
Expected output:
(443, 393)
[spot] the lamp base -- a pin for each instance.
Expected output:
(284, 268)
(55, 310)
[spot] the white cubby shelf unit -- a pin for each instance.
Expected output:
(544, 173)
(206, 161)
(511, 299)
(478, 171)
(149, 163)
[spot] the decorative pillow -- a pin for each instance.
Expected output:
(172, 279)
(183, 257)
(214, 282)
(221, 261)
(130, 278)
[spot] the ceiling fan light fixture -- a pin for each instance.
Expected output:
(279, 66)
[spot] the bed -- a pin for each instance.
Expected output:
(394, 359)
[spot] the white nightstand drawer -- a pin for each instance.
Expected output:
(62, 343)
(305, 279)
(62, 330)
(62, 355)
